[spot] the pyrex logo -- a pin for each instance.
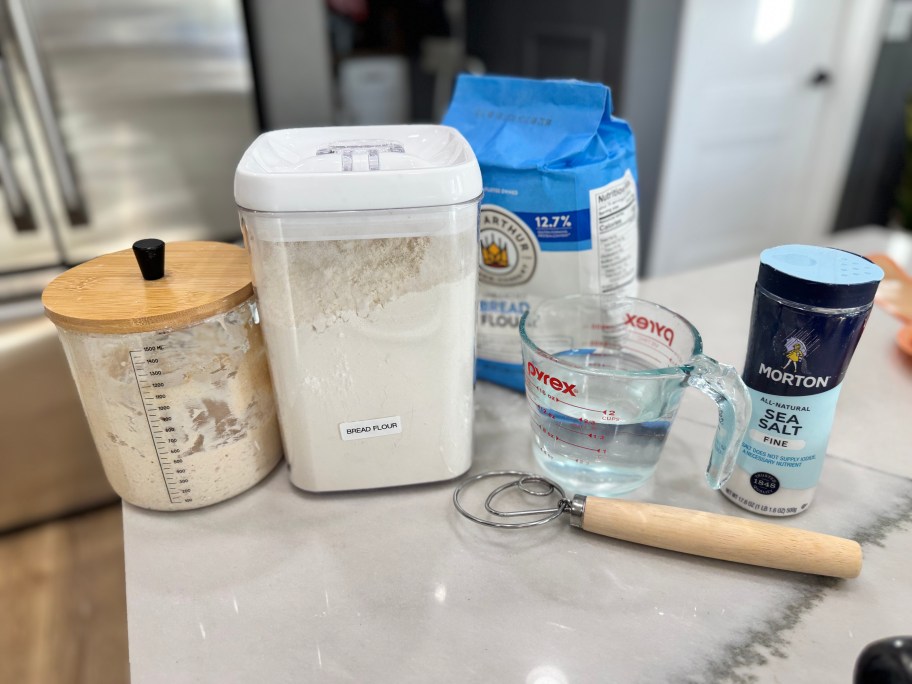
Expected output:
(556, 384)
(664, 332)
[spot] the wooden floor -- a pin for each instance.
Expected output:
(64, 616)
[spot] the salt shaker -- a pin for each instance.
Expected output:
(810, 308)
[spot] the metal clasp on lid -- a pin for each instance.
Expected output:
(372, 148)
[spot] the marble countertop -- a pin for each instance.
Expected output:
(278, 585)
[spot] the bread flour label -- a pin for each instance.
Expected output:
(362, 429)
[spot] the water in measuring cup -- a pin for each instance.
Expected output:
(589, 452)
(567, 451)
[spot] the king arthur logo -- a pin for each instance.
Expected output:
(509, 251)
(494, 253)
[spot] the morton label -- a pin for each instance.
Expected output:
(788, 438)
(798, 353)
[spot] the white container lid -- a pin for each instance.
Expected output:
(357, 168)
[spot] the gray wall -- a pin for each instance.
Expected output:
(547, 39)
(877, 163)
(289, 42)
(652, 44)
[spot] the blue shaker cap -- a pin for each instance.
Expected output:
(819, 276)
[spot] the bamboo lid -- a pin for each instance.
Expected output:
(110, 295)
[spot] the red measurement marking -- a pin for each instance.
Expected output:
(584, 408)
(537, 404)
(561, 401)
(556, 438)
(545, 412)
(564, 427)
(580, 446)
(587, 421)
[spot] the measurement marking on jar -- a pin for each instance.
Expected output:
(558, 400)
(543, 411)
(153, 419)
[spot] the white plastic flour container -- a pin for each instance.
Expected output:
(364, 252)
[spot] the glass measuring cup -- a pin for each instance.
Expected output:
(604, 377)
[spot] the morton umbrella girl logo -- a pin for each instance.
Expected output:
(796, 351)
(797, 348)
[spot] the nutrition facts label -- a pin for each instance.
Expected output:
(613, 211)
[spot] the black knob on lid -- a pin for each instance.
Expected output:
(150, 255)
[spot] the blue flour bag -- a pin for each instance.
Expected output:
(559, 214)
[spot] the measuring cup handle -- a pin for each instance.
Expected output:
(724, 386)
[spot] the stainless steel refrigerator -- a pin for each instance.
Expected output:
(119, 119)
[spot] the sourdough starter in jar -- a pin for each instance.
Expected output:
(169, 361)
(182, 418)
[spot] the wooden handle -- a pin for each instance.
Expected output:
(722, 537)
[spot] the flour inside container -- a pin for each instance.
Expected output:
(370, 329)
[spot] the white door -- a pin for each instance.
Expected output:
(766, 103)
